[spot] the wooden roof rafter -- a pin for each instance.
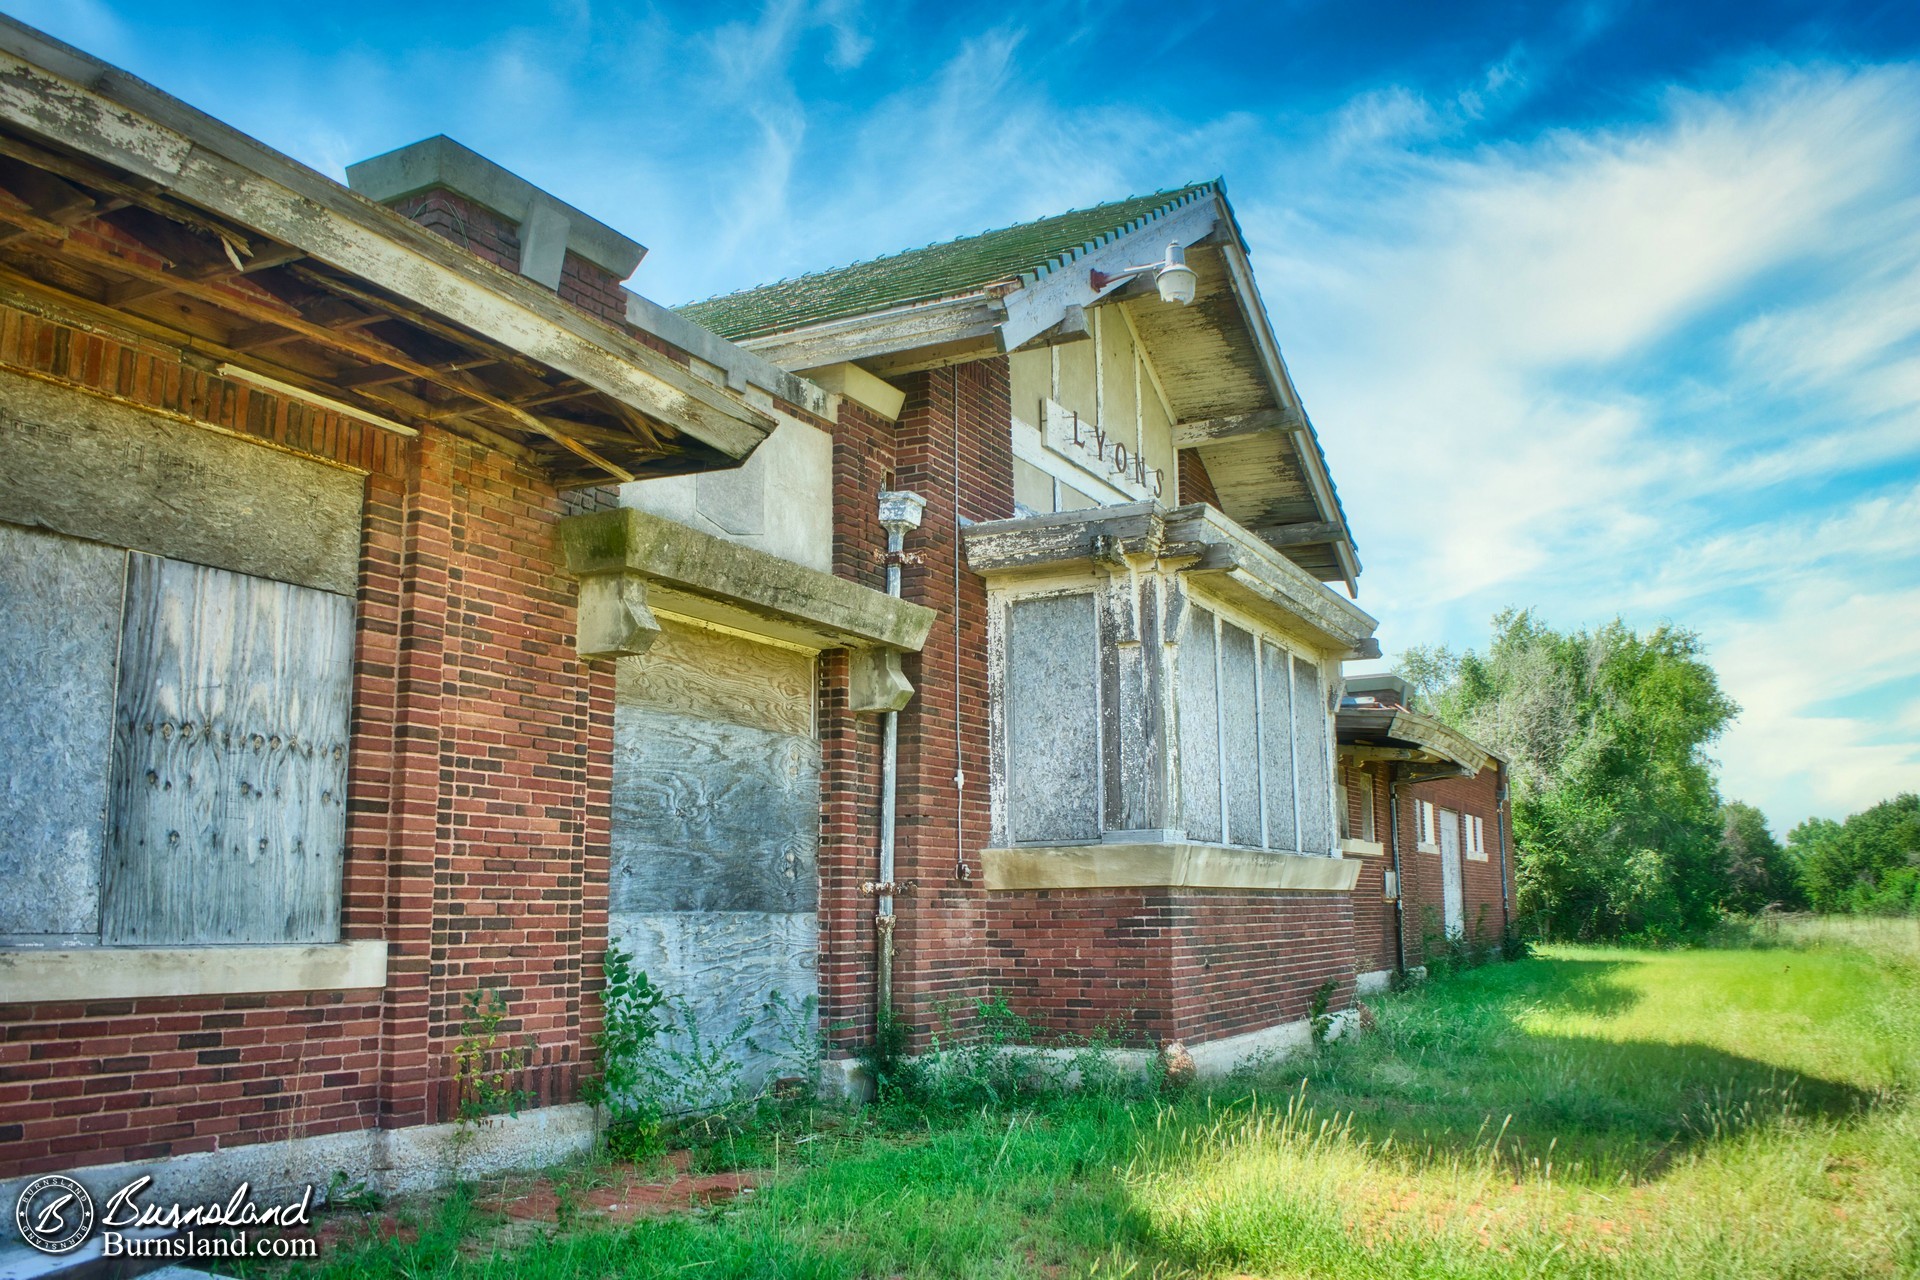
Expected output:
(110, 241)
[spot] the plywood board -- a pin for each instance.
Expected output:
(1199, 706)
(728, 965)
(716, 676)
(1276, 727)
(109, 473)
(710, 815)
(1240, 736)
(1053, 719)
(1311, 759)
(59, 638)
(227, 811)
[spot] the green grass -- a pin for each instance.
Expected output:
(1739, 1111)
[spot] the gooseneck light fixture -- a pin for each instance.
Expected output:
(1173, 277)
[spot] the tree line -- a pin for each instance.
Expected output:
(1620, 829)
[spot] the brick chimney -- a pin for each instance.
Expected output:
(460, 194)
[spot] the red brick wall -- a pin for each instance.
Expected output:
(1151, 965)
(469, 225)
(1421, 880)
(1194, 482)
(940, 936)
(478, 806)
(1243, 961)
(1373, 917)
(475, 227)
(1085, 962)
(850, 745)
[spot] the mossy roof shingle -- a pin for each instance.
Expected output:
(1018, 253)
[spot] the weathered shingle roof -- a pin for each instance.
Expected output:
(1020, 253)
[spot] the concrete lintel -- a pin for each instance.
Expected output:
(121, 973)
(741, 367)
(702, 576)
(856, 384)
(1173, 866)
(1195, 540)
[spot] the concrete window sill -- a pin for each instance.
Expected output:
(1173, 865)
(1424, 847)
(1363, 848)
(119, 973)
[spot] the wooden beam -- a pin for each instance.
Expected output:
(127, 192)
(1306, 534)
(906, 333)
(900, 363)
(46, 195)
(1366, 751)
(366, 348)
(1196, 432)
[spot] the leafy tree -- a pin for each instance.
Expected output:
(1756, 871)
(1869, 863)
(1617, 821)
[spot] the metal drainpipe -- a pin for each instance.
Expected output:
(1399, 880)
(900, 511)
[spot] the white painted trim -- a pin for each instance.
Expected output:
(119, 973)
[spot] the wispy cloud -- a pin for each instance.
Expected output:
(1658, 356)
(1511, 324)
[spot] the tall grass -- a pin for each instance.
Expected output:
(1743, 1111)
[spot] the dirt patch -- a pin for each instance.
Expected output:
(616, 1195)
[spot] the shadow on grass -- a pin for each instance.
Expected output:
(1452, 1067)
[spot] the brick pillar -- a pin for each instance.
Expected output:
(850, 745)
(961, 412)
(414, 836)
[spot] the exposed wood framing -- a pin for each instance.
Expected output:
(1203, 431)
(1300, 535)
(118, 199)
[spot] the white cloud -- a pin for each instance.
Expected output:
(1820, 641)
(1551, 346)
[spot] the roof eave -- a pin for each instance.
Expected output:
(93, 109)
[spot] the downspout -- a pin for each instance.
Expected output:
(1399, 883)
(899, 511)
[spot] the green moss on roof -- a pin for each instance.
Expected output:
(1017, 253)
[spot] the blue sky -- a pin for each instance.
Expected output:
(1626, 296)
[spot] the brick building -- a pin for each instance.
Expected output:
(399, 609)
(307, 736)
(1115, 778)
(1427, 815)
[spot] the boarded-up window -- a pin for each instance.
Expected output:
(1200, 729)
(228, 795)
(59, 633)
(1240, 737)
(1310, 758)
(1249, 742)
(1053, 720)
(1276, 735)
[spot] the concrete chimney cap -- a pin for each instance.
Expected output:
(441, 163)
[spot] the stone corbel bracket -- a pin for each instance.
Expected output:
(630, 563)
